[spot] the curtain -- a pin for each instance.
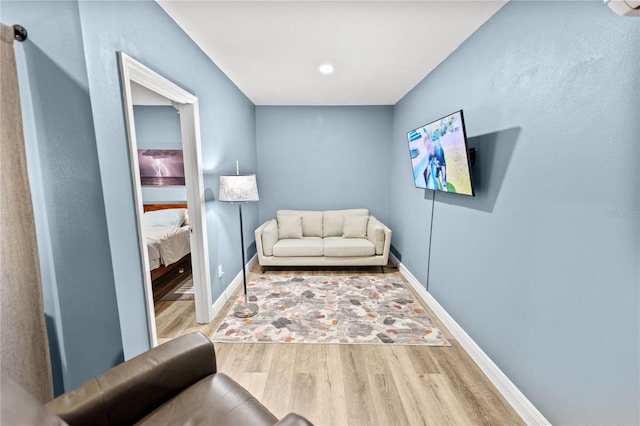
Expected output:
(24, 346)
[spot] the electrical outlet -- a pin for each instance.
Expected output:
(220, 273)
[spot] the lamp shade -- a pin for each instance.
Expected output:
(238, 188)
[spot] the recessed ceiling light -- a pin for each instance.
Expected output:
(326, 68)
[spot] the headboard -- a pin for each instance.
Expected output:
(153, 207)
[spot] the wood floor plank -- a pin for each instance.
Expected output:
(353, 384)
(475, 389)
(278, 396)
(309, 377)
(357, 387)
(304, 395)
(419, 401)
(457, 409)
(386, 397)
(422, 358)
(335, 401)
(305, 380)
(255, 383)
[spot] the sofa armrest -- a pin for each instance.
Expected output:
(387, 242)
(379, 235)
(129, 391)
(293, 419)
(266, 237)
(18, 407)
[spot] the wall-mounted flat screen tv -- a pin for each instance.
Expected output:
(440, 157)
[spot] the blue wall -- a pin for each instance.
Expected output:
(77, 274)
(320, 158)
(541, 268)
(145, 32)
(158, 127)
(93, 273)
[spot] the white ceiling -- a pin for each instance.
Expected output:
(380, 49)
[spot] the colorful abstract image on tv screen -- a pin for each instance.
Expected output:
(439, 155)
(161, 167)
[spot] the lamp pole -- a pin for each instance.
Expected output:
(246, 309)
(238, 189)
(244, 271)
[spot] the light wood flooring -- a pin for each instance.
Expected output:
(353, 384)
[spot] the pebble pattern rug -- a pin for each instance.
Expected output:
(331, 309)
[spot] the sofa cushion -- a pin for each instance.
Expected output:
(348, 247)
(289, 227)
(333, 220)
(375, 234)
(355, 226)
(216, 399)
(299, 247)
(311, 221)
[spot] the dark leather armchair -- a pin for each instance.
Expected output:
(174, 383)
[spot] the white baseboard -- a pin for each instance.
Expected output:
(218, 305)
(509, 391)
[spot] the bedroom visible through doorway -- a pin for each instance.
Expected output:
(167, 231)
(164, 141)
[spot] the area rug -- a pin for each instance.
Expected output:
(183, 291)
(332, 309)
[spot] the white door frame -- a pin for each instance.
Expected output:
(187, 105)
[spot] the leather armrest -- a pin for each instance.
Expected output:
(18, 407)
(293, 419)
(129, 391)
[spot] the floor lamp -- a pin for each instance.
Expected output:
(240, 189)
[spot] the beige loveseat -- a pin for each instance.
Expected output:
(323, 238)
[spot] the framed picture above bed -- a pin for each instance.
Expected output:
(161, 167)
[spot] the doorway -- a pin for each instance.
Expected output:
(162, 92)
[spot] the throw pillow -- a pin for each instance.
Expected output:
(167, 217)
(355, 226)
(289, 227)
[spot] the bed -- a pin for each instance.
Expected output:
(166, 231)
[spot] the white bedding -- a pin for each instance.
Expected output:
(154, 256)
(166, 244)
